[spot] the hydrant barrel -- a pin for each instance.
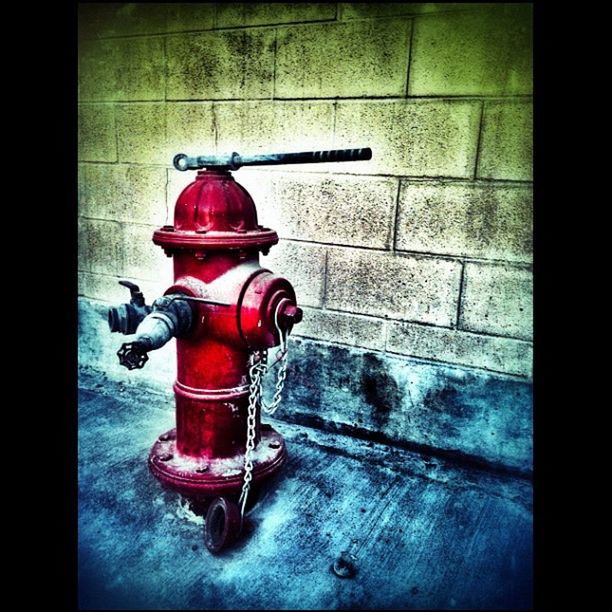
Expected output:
(239, 308)
(225, 311)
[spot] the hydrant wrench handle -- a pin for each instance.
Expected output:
(234, 161)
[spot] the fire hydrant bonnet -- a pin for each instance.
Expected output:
(215, 212)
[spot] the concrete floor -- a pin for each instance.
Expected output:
(426, 534)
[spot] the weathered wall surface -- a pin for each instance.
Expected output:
(422, 253)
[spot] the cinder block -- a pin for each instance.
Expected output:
(506, 142)
(274, 127)
(113, 19)
(107, 288)
(134, 194)
(97, 140)
(96, 198)
(236, 14)
(466, 219)
(140, 68)
(303, 265)
(361, 58)
(141, 130)
(366, 332)
(122, 69)
(189, 17)
(348, 210)
(220, 65)
(421, 289)
(190, 128)
(497, 299)
(369, 10)
(142, 258)
(414, 138)
(142, 191)
(92, 20)
(486, 51)
(122, 19)
(82, 283)
(452, 346)
(100, 246)
(83, 256)
(97, 79)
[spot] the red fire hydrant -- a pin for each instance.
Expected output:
(225, 311)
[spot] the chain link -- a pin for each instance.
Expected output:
(258, 367)
(280, 384)
(255, 373)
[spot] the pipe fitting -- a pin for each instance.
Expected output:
(155, 330)
(171, 317)
(125, 318)
(177, 310)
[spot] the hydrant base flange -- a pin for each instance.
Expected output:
(202, 477)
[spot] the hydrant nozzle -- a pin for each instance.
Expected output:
(170, 316)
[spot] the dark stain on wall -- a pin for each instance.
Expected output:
(380, 390)
(446, 399)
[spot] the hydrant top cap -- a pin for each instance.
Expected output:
(215, 212)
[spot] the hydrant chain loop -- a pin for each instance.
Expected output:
(282, 372)
(255, 372)
(280, 383)
(257, 369)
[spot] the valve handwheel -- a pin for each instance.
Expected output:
(132, 355)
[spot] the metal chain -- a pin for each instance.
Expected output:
(278, 391)
(255, 373)
(282, 372)
(258, 367)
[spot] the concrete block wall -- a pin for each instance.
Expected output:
(423, 252)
